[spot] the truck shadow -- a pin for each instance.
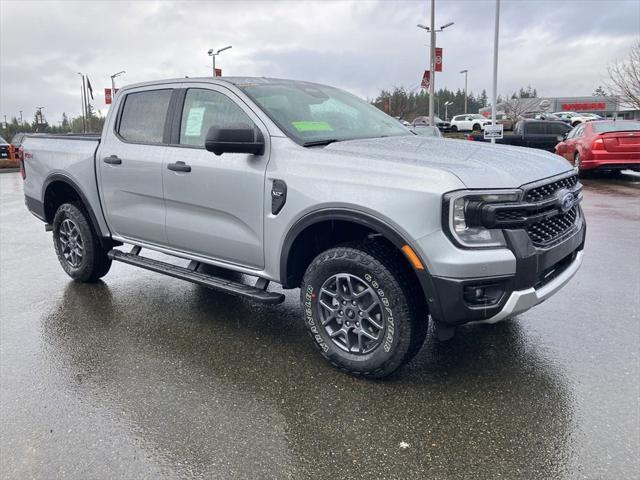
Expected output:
(218, 386)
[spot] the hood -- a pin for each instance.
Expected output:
(476, 164)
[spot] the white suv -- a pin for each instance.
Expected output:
(469, 122)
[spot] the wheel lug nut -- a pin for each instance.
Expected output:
(344, 302)
(353, 302)
(361, 313)
(340, 312)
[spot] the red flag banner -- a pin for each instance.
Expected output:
(426, 80)
(438, 66)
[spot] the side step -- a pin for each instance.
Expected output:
(257, 293)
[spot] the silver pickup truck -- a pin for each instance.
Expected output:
(310, 187)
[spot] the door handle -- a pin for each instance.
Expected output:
(179, 167)
(112, 160)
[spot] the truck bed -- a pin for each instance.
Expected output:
(71, 156)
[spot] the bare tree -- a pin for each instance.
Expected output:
(624, 77)
(516, 107)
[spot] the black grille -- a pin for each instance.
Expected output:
(510, 215)
(551, 230)
(546, 191)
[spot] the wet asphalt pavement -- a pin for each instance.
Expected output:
(144, 376)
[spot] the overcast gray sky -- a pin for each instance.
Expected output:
(560, 47)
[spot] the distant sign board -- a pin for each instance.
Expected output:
(438, 67)
(580, 106)
(426, 79)
(493, 131)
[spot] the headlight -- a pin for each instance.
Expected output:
(462, 217)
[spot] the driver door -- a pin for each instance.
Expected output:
(216, 208)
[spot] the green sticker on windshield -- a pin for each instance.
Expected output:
(312, 126)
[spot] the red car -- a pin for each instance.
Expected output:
(603, 145)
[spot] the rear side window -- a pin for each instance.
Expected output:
(535, 128)
(204, 109)
(143, 116)
(558, 128)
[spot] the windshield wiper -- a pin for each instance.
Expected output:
(314, 143)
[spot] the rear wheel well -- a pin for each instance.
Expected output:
(326, 234)
(56, 194)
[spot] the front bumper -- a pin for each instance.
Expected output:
(522, 300)
(539, 273)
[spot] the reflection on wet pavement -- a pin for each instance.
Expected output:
(142, 376)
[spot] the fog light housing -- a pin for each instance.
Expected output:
(487, 294)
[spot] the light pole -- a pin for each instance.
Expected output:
(84, 106)
(465, 89)
(446, 112)
(21, 118)
(495, 67)
(432, 30)
(113, 84)
(213, 56)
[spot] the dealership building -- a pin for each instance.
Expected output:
(603, 106)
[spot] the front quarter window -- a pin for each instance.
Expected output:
(310, 113)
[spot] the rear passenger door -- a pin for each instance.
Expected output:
(216, 209)
(130, 160)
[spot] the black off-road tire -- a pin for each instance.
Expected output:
(386, 272)
(94, 262)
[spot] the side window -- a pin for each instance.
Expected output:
(535, 128)
(579, 131)
(204, 109)
(143, 116)
(557, 129)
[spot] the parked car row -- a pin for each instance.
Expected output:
(609, 145)
(540, 134)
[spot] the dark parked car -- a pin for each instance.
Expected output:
(441, 124)
(541, 134)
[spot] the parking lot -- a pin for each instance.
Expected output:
(144, 376)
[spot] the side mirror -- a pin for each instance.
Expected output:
(240, 138)
(561, 138)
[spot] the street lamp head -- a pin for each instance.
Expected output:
(223, 49)
(464, 71)
(424, 27)
(446, 25)
(210, 52)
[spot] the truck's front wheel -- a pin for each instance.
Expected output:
(77, 246)
(363, 310)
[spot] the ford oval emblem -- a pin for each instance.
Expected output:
(567, 202)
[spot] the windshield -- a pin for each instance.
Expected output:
(312, 114)
(604, 127)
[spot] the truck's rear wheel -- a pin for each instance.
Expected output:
(363, 310)
(77, 246)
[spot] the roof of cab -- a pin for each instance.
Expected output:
(237, 81)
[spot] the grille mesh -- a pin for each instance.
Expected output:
(545, 191)
(552, 229)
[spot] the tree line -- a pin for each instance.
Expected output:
(94, 123)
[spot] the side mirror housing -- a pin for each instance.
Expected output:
(240, 138)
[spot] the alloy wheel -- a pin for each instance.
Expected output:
(71, 244)
(351, 313)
